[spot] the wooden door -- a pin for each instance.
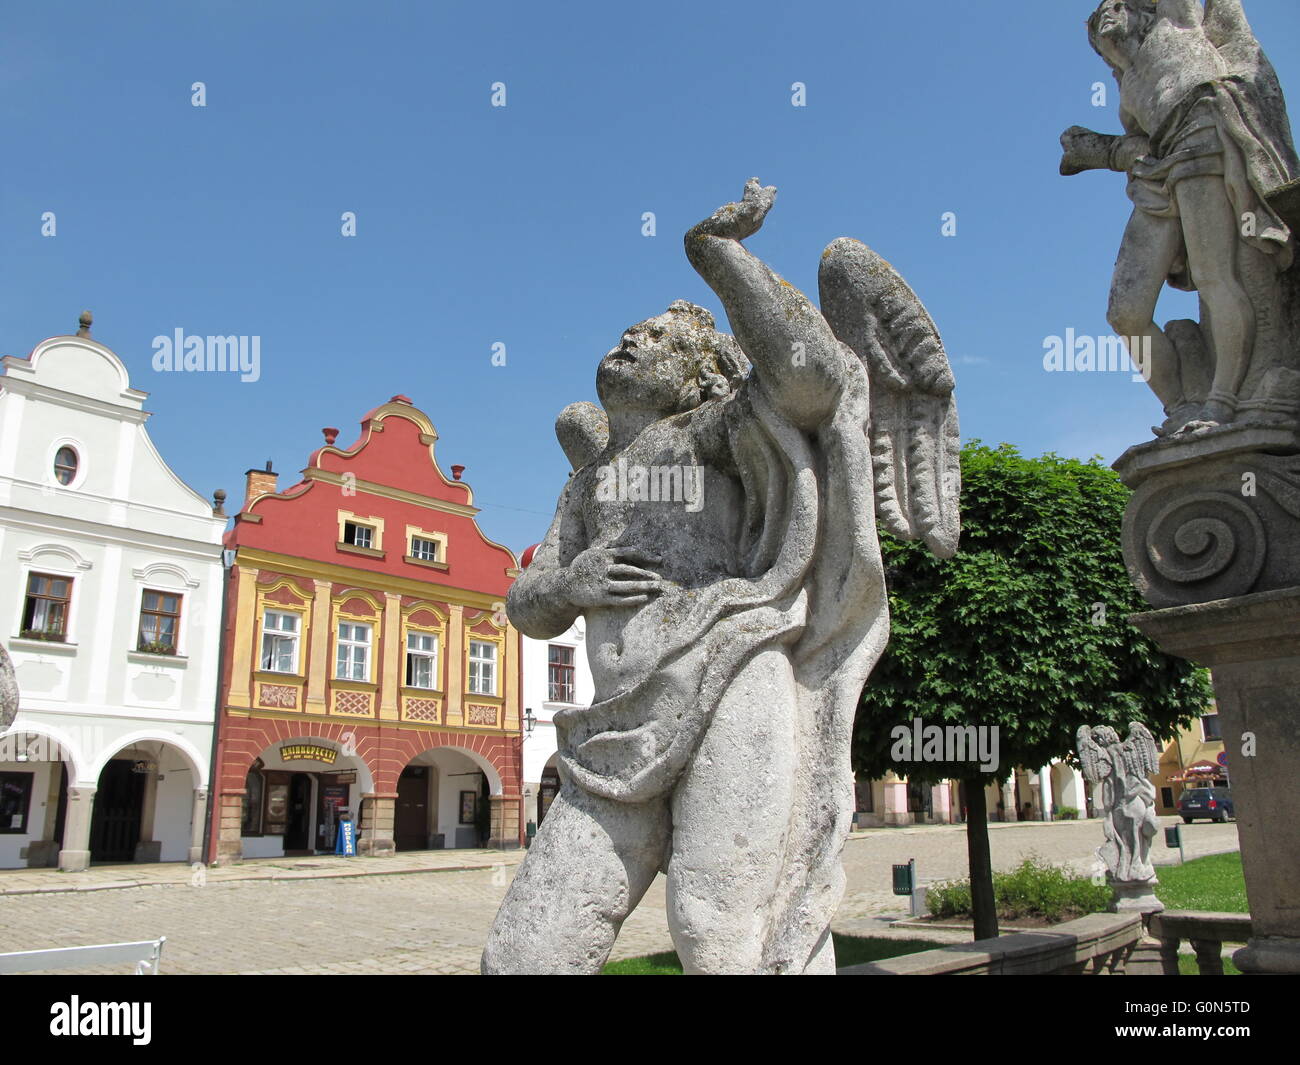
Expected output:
(115, 824)
(411, 820)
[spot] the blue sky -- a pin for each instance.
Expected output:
(522, 225)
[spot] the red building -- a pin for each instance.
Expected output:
(368, 667)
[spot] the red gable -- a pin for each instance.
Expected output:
(388, 482)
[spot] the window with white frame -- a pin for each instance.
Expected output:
(423, 549)
(421, 660)
(482, 667)
(353, 651)
(358, 535)
(559, 678)
(280, 642)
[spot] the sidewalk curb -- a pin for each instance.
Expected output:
(290, 875)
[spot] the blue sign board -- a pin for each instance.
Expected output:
(346, 843)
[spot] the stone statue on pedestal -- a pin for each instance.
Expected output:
(1209, 156)
(1128, 806)
(719, 536)
(8, 691)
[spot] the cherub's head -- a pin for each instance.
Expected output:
(1105, 736)
(670, 364)
(1118, 27)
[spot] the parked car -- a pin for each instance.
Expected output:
(1214, 804)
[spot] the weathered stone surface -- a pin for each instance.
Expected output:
(1214, 514)
(1128, 809)
(1210, 161)
(8, 691)
(719, 536)
(1252, 645)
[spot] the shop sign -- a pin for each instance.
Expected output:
(310, 752)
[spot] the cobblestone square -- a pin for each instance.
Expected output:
(301, 918)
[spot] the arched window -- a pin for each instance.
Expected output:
(65, 465)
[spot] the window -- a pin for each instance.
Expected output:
(15, 801)
(425, 550)
(251, 821)
(65, 465)
(45, 613)
(280, 642)
(1210, 728)
(421, 660)
(560, 674)
(358, 535)
(353, 651)
(482, 667)
(160, 618)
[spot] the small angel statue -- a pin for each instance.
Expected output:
(1128, 798)
(730, 628)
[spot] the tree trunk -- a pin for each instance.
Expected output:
(981, 864)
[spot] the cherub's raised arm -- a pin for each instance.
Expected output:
(786, 338)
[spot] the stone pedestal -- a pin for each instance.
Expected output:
(1139, 896)
(1252, 645)
(1214, 515)
(230, 821)
(375, 834)
(75, 855)
(1136, 896)
(505, 822)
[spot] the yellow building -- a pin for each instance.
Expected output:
(1196, 757)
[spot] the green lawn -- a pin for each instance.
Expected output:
(849, 950)
(1214, 883)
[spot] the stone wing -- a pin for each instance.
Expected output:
(1090, 756)
(8, 691)
(913, 430)
(1141, 751)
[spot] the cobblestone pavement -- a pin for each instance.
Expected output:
(307, 920)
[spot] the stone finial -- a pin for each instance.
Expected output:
(86, 320)
(219, 503)
(330, 436)
(457, 471)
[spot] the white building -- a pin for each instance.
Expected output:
(556, 676)
(111, 578)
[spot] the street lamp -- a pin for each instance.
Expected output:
(530, 719)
